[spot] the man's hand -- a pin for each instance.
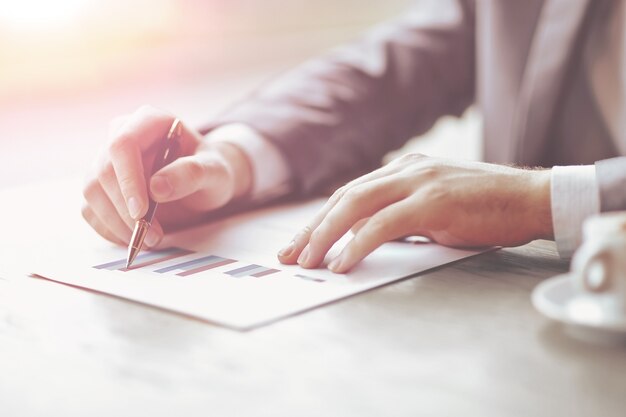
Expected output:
(205, 177)
(454, 203)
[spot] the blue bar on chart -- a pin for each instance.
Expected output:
(307, 278)
(195, 266)
(253, 270)
(145, 259)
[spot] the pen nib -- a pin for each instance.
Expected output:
(136, 242)
(132, 254)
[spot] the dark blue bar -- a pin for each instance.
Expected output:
(122, 262)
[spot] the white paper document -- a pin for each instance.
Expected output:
(227, 272)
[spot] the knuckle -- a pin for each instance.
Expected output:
(317, 235)
(106, 173)
(411, 157)
(152, 112)
(303, 236)
(435, 192)
(338, 194)
(126, 184)
(85, 211)
(119, 143)
(196, 170)
(146, 109)
(116, 123)
(429, 171)
(90, 188)
(375, 227)
(355, 195)
(426, 171)
(216, 167)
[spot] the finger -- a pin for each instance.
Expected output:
(129, 171)
(388, 224)
(102, 207)
(108, 182)
(359, 202)
(139, 133)
(146, 126)
(358, 225)
(290, 253)
(116, 124)
(99, 226)
(204, 178)
(155, 235)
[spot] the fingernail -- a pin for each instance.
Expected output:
(287, 250)
(152, 238)
(335, 265)
(304, 256)
(161, 186)
(133, 207)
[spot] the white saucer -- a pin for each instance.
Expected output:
(558, 299)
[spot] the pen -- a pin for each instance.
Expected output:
(166, 153)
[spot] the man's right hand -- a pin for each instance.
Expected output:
(205, 177)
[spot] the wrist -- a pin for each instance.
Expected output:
(540, 208)
(240, 166)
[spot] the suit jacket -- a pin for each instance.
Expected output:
(518, 60)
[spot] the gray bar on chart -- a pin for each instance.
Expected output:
(246, 270)
(203, 268)
(205, 260)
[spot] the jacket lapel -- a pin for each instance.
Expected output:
(558, 31)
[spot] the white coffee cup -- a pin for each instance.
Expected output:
(599, 265)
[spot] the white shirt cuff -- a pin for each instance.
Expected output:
(574, 197)
(269, 168)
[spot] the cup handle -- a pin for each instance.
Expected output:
(604, 259)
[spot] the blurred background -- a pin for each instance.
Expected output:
(69, 66)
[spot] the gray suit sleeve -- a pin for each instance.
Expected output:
(611, 177)
(336, 116)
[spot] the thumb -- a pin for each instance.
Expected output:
(203, 176)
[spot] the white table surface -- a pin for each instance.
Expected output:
(462, 340)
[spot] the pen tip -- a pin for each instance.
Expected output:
(132, 254)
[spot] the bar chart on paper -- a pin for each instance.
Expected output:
(169, 262)
(227, 272)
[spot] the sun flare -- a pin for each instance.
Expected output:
(37, 15)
